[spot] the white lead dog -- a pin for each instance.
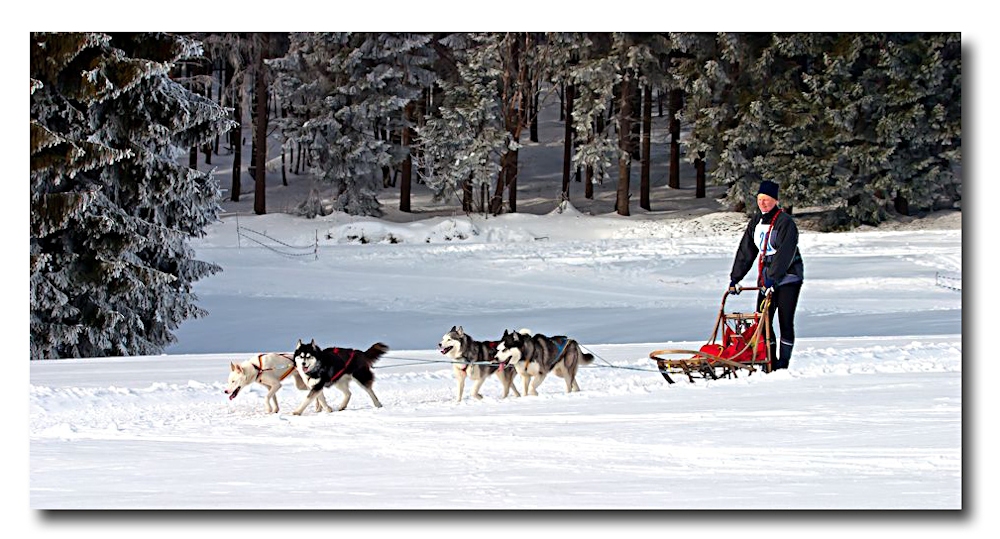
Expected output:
(268, 370)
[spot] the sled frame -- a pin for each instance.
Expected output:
(703, 365)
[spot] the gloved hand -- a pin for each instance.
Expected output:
(768, 286)
(734, 288)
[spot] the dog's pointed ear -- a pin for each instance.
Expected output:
(312, 342)
(239, 368)
(461, 331)
(454, 328)
(232, 366)
(298, 344)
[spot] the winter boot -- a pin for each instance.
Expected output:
(785, 355)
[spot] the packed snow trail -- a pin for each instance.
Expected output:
(856, 423)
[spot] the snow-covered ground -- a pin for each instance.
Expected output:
(868, 417)
(875, 412)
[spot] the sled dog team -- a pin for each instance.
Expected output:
(533, 357)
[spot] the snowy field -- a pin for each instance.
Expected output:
(868, 417)
(883, 407)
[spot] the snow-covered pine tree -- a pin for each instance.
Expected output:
(775, 136)
(302, 80)
(111, 208)
(698, 73)
(594, 74)
(894, 104)
(343, 88)
(465, 137)
(862, 122)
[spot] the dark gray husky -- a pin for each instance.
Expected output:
(475, 359)
(535, 356)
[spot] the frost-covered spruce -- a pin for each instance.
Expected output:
(112, 211)
(342, 90)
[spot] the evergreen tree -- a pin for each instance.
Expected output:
(865, 123)
(889, 107)
(343, 88)
(111, 207)
(593, 74)
(466, 136)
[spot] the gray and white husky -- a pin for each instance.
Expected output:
(535, 356)
(268, 370)
(476, 360)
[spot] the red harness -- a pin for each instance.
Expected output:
(763, 251)
(349, 359)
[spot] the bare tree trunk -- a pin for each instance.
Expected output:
(562, 105)
(511, 182)
(406, 181)
(699, 167)
(223, 83)
(647, 124)
(514, 84)
(186, 73)
(533, 130)
(467, 195)
(588, 190)
(284, 145)
(236, 139)
(260, 131)
(568, 140)
(206, 70)
(624, 156)
(675, 138)
(284, 178)
(636, 106)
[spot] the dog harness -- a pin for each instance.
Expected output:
(260, 367)
(349, 359)
(562, 348)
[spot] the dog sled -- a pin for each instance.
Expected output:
(740, 342)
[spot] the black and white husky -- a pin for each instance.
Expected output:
(535, 356)
(322, 368)
(475, 359)
(268, 370)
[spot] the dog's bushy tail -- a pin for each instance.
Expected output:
(376, 351)
(584, 356)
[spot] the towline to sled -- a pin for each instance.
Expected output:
(739, 342)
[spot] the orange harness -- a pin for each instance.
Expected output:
(260, 367)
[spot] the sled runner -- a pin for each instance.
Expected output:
(739, 342)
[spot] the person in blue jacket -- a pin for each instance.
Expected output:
(771, 243)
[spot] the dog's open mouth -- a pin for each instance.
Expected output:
(233, 394)
(446, 350)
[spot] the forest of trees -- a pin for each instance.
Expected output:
(867, 124)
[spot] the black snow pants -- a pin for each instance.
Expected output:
(784, 299)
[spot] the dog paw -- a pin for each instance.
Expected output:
(477, 396)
